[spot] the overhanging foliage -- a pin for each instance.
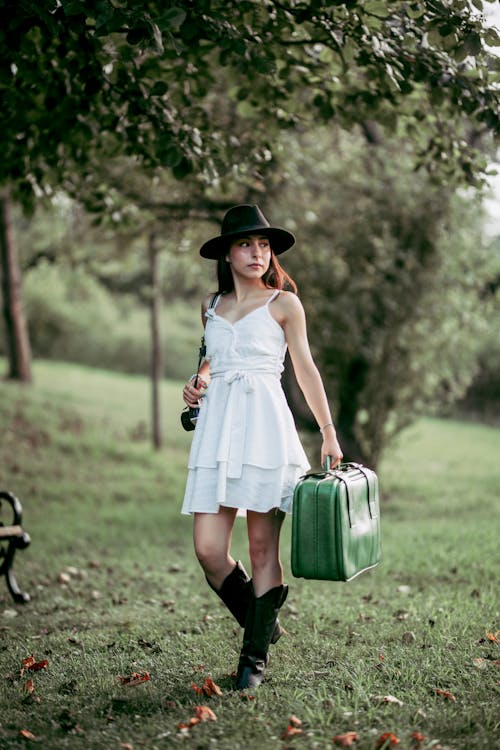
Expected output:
(201, 86)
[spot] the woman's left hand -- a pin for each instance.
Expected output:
(331, 447)
(191, 395)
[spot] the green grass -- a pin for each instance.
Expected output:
(98, 499)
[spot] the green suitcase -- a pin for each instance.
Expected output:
(336, 523)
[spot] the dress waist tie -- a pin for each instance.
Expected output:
(246, 378)
(236, 409)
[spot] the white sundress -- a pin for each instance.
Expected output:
(246, 452)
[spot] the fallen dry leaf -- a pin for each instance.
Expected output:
(493, 637)
(345, 740)
(209, 688)
(409, 637)
(189, 724)
(392, 699)
(30, 664)
(445, 694)
(293, 728)
(27, 734)
(126, 746)
(29, 686)
(291, 731)
(37, 666)
(136, 678)
(204, 713)
(388, 739)
(480, 663)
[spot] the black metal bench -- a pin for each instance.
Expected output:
(12, 538)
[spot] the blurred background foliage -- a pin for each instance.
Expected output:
(399, 284)
(365, 127)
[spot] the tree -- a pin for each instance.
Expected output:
(201, 87)
(18, 347)
(204, 87)
(391, 270)
(126, 196)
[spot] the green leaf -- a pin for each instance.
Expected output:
(245, 109)
(415, 10)
(446, 29)
(378, 7)
(136, 36)
(460, 53)
(437, 96)
(170, 157)
(74, 8)
(159, 89)
(473, 43)
(492, 37)
(173, 18)
(182, 169)
(104, 14)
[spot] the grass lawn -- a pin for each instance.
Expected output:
(407, 648)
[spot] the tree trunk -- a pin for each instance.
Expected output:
(346, 419)
(352, 386)
(156, 354)
(17, 339)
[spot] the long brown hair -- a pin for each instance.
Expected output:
(274, 278)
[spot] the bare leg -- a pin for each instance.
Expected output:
(264, 537)
(212, 534)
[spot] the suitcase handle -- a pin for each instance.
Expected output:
(327, 463)
(326, 468)
(345, 467)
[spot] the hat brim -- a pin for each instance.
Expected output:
(280, 241)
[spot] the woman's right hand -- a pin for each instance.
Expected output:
(192, 395)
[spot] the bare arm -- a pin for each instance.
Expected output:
(190, 394)
(290, 314)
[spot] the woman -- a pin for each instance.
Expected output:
(246, 454)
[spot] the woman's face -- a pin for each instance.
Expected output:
(250, 256)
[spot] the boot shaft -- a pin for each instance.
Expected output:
(235, 592)
(261, 620)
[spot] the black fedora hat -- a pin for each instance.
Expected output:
(241, 221)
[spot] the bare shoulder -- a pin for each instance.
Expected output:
(205, 303)
(287, 307)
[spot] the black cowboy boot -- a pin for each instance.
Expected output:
(261, 621)
(236, 593)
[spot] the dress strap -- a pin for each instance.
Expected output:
(214, 301)
(273, 296)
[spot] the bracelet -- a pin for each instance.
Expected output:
(328, 424)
